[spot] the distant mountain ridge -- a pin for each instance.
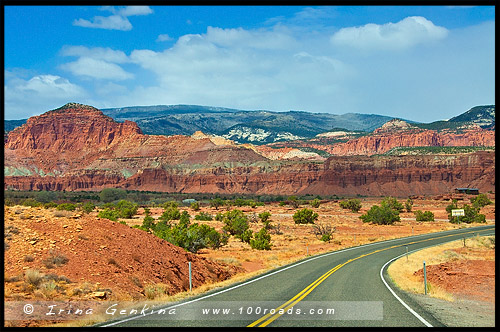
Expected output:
(262, 126)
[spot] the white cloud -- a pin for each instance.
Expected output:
(240, 68)
(98, 69)
(164, 37)
(113, 22)
(24, 98)
(98, 53)
(390, 36)
(118, 21)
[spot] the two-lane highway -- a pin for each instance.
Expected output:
(348, 287)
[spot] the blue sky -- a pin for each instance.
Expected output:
(422, 63)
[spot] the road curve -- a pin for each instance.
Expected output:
(344, 288)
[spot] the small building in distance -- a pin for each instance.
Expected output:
(469, 191)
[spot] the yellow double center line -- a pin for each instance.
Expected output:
(270, 317)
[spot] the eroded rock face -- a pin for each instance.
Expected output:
(76, 147)
(397, 133)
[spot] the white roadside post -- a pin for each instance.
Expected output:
(190, 279)
(425, 280)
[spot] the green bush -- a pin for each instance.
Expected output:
(126, 209)
(31, 202)
(409, 205)
(195, 206)
(235, 223)
(108, 214)
(305, 216)
(393, 204)
(88, 207)
(382, 215)
(204, 216)
(170, 213)
(480, 201)
(315, 203)
(192, 237)
(170, 204)
(424, 216)
(148, 222)
(108, 195)
(261, 240)
(352, 204)
(66, 207)
(216, 203)
(50, 205)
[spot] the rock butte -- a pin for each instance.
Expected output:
(77, 147)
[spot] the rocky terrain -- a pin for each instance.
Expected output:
(77, 147)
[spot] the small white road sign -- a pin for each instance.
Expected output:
(457, 212)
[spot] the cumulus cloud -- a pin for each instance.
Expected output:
(98, 69)
(100, 53)
(117, 21)
(390, 36)
(96, 62)
(164, 37)
(24, 98)
(243, 68)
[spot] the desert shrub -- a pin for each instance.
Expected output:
(33, 277)
(205, 216)
(246, 236)
(382, 214)
(170, 204)
(480, 201)
(293, 201)
(305, 216)
(108, 214)
(216, 203)
(264, 218)
(219, 216)
(351, 204)
(31, 202)
(88, 207)
(45, 196)
(424, 216)
(66, 207)
(192, 237)
(393, 204)
(55, 258)
(50, 205)
(126, 209)
(408, 204)
(195, 206)
(323, 232)
(154, 290)
(148, 222)
(315, 203)
(261, 240)
(235, 222)
(108, 195)
(170, 213)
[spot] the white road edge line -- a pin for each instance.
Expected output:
(426, 323)
(397, 297)
(267, 275)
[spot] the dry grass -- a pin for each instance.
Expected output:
(402, 270)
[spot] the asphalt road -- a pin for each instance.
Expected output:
(345, 288)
